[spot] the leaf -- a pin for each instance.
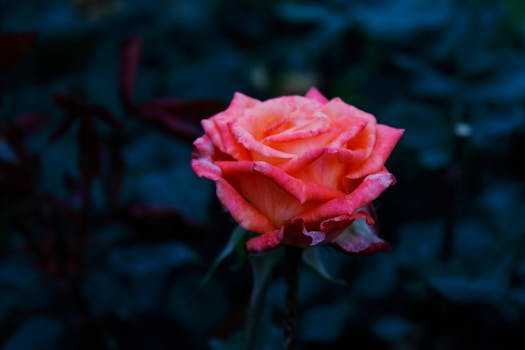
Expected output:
(89, 153)
(489, 126)
(313, 258)
(15, 173)
(106, 293)
(153, 217)
(128, 67)
(262, 268)
(194, 110)
(15, 46)
(169, 122)
(420, 243)
(306, 13)
(142, 260)
(197, 309)
(6, 153)
(18, 275)
(403, 19)
(378, 280)
(233, 343)
(61, 129)
(38, 332)
(103, 114)
(230, 247)
(393, 329)
(463, 289)
(30, 122)
(325, 323)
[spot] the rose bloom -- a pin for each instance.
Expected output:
(297, 170)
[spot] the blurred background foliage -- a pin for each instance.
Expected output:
(106, 233)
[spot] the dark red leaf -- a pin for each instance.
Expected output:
(157, 215)
(14, 46)
(71, 184)
(113, 182)
(62, 207)
(153, 212)
(169, 122)
(29, 240)
(89, 149)
(103, 114)
(16, 142)
(30, 122)
(128, 68)
(194, 110)
(23, 125)
(62, 128)
(69, 103)
(15, 174)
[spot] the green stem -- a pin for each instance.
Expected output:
(291, 275)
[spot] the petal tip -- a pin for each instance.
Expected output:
(315, 94)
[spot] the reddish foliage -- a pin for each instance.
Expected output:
(175, 116)
(15, 46)
(128, 68)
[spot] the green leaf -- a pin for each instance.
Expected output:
(236, 236)
(465, 289)
(262, 267)
(325, 323)
(233, 343)
(393, 328)
(313, 258)
(147, 259)
(37, 332)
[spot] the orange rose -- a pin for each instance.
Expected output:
(298, 170)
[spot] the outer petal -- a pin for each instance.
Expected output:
(292, 233)
(242, 211)
(371, 187)
(201, 162)
(265, 241)
(295, 233)
(336, 108)
(360, 237)
(218, 126)
(314, 94)
(386, 140)
(275, 194)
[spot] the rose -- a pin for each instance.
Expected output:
(298, 170)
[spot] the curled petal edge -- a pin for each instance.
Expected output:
(368, 190)
(386, 139)
(359, 238)
(202, 163)
(296, 234)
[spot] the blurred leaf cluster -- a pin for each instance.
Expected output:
(106, 233)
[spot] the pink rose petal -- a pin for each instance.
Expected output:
(242, 211)
(386, 140)
(314, 94)
(371, 187)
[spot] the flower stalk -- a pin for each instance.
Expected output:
(292, 261)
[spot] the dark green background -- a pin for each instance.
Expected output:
(450, 72)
